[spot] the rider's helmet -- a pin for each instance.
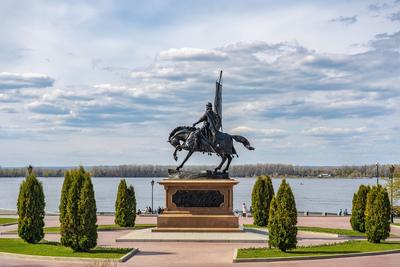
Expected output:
(209, 105)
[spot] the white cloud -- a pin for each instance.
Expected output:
(140, 72)
(329, 132)
(192, 54)
(265, 133)
(10, 80)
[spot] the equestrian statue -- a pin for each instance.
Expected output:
(209, 138)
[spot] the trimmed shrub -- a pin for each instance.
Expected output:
(261, 197)
(269, 194)
(132, 205)
(64, 200)
(357, 219)
(30, 208)
(377, 215)
(79, 229)
(125, 205)
(283, 219)
(88, 219)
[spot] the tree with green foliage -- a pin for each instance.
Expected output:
(357, 219)
(79, 229)
(64, 200)
(88, 218)
(261, 197)
(125, 205)
(377, 215)
(283, 219)
(121, 204)
(30, 208)
(132, 206)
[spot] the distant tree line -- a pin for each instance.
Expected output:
(248, 170)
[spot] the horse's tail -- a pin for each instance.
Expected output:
(243, 140)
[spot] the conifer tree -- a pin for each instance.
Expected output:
(261, 196)
(64, 200)
(125, 205)
(121, 205)
(88, 219)
(357, 219)
(30, 208)
(132, 206)
(79, 229)
(377, 215)
(283, 219)
(269, 194)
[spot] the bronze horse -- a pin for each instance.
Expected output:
(183, 137)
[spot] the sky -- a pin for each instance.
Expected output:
(105, 82)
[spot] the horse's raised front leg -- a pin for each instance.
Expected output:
(220, 165)
(175, 156)
(229, 163)
(187, 157)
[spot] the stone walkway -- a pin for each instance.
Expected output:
(175, 254)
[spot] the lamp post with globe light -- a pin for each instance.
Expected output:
(152, 187)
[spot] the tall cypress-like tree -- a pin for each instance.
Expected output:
(121, 205)
(125, 205)
(357, 219)
(258, 203)
(261, 197)
(283, 219)
(269, 194)
(377, 215)
(30, 208)
(64, 200)
(79, 224)
(88, 219)
(132, 206)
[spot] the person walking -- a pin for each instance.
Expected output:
(244, 210)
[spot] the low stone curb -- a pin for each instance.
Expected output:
(124, 258)
(12, 232)
(128, 255)
(321, 257)
(190, 240)
(256, 230)
(8, 224)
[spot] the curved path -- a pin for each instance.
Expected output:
(208, 254)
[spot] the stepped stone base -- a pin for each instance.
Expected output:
(198, 206)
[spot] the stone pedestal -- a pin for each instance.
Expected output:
(198, 206)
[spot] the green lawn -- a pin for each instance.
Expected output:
(8, 220)
(331, 231)
(397, 224)
(322, 250)
(318, 229)
(106, 227)
(18, 246)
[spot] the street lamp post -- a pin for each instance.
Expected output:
(391, 169)
(152, 187)
(377, 173)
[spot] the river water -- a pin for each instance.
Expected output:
(316, 195)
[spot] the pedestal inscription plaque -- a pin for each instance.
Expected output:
(198, 198)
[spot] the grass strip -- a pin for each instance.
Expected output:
(321, 250)
(54, 249)
(338, 231)
(8, 220)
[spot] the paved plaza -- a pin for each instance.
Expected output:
(207, 253)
